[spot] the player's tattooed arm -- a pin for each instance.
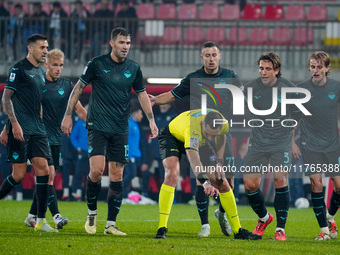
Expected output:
(74, 97)
(9, 111)
(8, 105)
(149, 115)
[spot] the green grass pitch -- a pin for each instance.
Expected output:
(140, 222)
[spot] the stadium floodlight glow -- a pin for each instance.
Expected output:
(163, 80)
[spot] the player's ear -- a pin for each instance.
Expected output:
(45, 64)
(111, 43)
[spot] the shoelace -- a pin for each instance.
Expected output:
(91, 220)
(280, 233)
(259, 225)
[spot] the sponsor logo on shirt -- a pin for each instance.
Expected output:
(106, 71)
(14, 69)
(195, 134)
(127, 74)
(194, 143)
(12, 77)
(32, 75)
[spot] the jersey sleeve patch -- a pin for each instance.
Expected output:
(12, 77)
(194, 143)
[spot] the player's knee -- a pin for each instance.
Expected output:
(223, 187)
(251, 186)
(280, 182)
(171, 177)
(18, 176)
(316, 185)
(96, 173)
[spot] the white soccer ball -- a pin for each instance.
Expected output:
(301, 203)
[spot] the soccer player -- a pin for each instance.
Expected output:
(269, 143)
(112, 77)
(185, 135)
(54, 104)
(210, 74)
(27, 138)
(320, 146)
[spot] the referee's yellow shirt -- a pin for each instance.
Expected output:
(187, 128)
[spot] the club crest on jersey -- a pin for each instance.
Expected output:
(331, 95)
(12, 77)
(61, 91)
(127, 74)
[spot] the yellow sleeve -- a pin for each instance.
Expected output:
(192, 140)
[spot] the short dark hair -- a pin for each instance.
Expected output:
(18, 5)
(274, 59)
(209, 120)
(119, 31)
(35, 37)
(209, 44)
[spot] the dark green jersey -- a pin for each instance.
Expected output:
(28, 83)
(319, 132)
(109, 103)
(272, 136)
(54, 105)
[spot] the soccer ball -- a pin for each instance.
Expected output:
(302, 203)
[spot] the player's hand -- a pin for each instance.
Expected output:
(66, 125)
(3, 137)
(295, 151)
(209, 190)
(152, 99)
(17, 132)
(154, 128)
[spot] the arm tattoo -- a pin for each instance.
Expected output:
(149, 115)
(8, 105)
(74, 97)
(119, 165)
